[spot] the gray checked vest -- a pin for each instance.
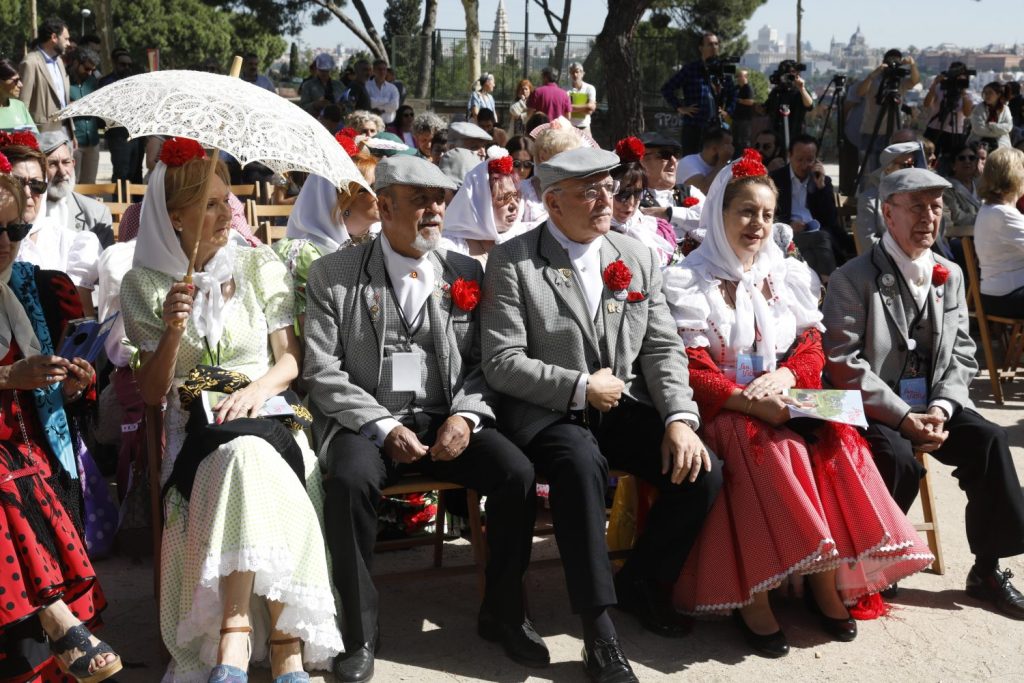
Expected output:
(431, 396)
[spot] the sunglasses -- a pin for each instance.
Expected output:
(16, 232)
(525, 163)
(664, 154)
(35, 186)
(967, 157)
(764, 145)
(628, 196)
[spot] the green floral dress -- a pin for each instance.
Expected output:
(248, 511)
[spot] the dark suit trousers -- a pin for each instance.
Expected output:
(357, 471)
(978, 451)
(576, 458)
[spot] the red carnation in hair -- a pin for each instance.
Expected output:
(500, 166)
(20, 137)
(5, 164)
(630, 149)
(178, 151)
(690, 201)
(347, 143)
(348, 132)
(750, 164)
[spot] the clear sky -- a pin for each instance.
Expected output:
(884, 22)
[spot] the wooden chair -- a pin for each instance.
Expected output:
(930, 526)
(266, 230)
(101, 191)
(1015, 339)
(117, 210)
(247, 192)
(133, 192)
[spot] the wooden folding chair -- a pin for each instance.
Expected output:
(265, 229)
(102, 191)
(117, 210)
(1015, 339)
(153, 423)
(133, 192)
(930, 526)
(247, 192)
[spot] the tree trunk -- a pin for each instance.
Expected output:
(105, 27)
(426, 48)
(615, 43)
(369, 36)
(472, 8)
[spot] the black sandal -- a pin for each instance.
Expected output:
(77, 638)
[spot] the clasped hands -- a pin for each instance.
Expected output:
(36, 372)
(402, 444)
(927, 431)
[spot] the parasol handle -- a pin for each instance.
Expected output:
(236, 69)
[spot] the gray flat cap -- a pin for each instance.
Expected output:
(456, 163)
(899, 149)
(576, 163)
(409, 170)
(464, 130)
(910, 180)
(653, 138)
(52, 139)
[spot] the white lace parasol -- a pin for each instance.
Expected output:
(242, 119)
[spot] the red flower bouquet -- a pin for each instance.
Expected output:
(617, 276)
(630, 149)
(178, 151)
(466, 294)
(940, 274)
(500, 166)
(690, 201)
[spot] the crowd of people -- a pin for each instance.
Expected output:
(488, 306)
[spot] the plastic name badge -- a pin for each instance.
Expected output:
(405, 372)
(914, 391)
(748, 366)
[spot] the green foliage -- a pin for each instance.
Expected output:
(293, 60)
(15, 33)
(401, 18)
(759, 82)
(727, 18)
(186, 32)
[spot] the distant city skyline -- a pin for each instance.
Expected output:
(883, 22)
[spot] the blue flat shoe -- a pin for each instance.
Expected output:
(291, 676)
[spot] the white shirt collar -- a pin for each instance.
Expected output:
(586, 261)
(797, 181)
(412, 279)
(916, 272)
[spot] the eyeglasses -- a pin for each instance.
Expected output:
(524, 164)
(16, 232)
(764, 145)
(664, 154)
(35, 186)
(921, 209)
(503, 199)
(628, 196)
(592, 192)
(13, 79)
(967, 157)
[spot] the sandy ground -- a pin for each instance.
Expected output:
(936, 633)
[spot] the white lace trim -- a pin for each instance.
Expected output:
(309, 611)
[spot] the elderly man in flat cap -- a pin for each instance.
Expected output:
(466, 135)
(897, 331)
(578, 338)
(393, 370)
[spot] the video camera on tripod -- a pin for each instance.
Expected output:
(720, 67)
(893, 73)
(955, 80)
(786, 74)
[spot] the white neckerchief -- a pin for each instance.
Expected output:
(470, 216)
(715, 259)
(917, 272)
(158, 248)
(313, 216)
(644, 228)
(586, 260)
(59, 212)
(411, 290)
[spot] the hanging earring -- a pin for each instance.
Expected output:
(347, 213)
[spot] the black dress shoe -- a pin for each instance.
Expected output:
(843, 629)
(355, 666)
(605, 662)
(997, 589)
(521, 641)
(773, 645)
(652, 606)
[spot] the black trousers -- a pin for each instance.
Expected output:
(575, 458)
(978, 451)
(357, 471)
(1009, 305)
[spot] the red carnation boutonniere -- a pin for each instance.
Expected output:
(465, 294)
(940, 274)
(690, 201)
(5, 164)
(633, 297)
(617, 277)
(178, 151)
(630, 149)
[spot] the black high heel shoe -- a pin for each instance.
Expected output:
(843, 630)
(773, 645)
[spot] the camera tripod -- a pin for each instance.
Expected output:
(948, 140)
(889, 100)
(838, 103)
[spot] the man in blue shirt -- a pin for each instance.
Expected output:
(704, 94)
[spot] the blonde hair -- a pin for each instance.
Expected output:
(366, 163)
(360, 117)
(1003, 179)
(554, 141)
(185, 185)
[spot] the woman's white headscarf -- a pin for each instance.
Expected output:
(470, 216)
(159, 248)
(313, 216)
(714, 258)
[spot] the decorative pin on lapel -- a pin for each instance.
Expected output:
(566, 273)
(888, 280)
(614, 307)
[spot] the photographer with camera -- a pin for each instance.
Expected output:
(789, 91)
(708, 90)
(948, 98)
(886, 86)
